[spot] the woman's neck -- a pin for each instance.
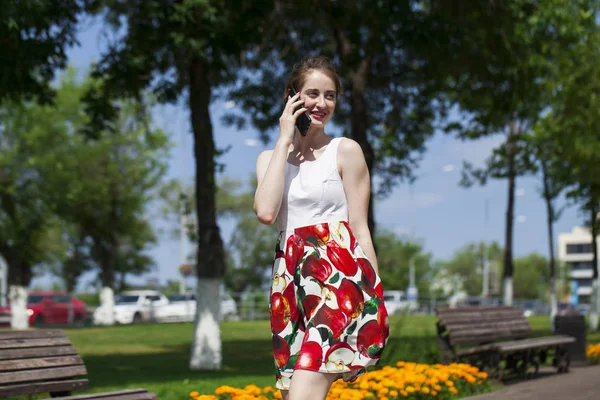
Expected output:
(304, 146)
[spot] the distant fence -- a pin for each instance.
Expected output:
(256, 307)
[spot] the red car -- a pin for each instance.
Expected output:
(51, 308)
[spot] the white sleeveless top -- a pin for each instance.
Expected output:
(313, 192)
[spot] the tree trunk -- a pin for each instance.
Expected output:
(595, 284)
(508, 256)
(106, 255)
(210, 260)
(550, 217)
(359, 124)
(17, 295)
(19, 277)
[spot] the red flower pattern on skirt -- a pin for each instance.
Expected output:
(327, 309)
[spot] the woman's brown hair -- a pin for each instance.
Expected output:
(304, 67)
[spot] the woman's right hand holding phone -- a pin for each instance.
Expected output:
(287, 121)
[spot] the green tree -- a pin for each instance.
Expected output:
(532, 277)
(466, 267)
(388, 102)
(100, 188)
(27, 131)
(250, 248)
(498, 56)
(35, 36)
(394, 258)
(575, 111)
(184, 48)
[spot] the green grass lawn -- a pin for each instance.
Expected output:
(156, 356)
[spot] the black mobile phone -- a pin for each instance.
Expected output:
(303, 121)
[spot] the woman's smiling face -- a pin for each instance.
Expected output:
(319, 97)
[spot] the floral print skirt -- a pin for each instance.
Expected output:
(326, 305)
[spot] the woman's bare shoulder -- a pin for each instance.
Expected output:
(349, 150)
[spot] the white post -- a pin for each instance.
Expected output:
(595, 306)
(182, 240)
(19, 319)
(508, 291)
(3, 282)
(486, 262)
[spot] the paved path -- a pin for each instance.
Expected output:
(581, 383)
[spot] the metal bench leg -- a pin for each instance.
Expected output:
(562, 359)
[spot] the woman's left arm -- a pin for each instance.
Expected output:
(357, 185)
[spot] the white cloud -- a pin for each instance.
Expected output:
(448, 168)
(521, 218)
(251, 142)
(520, 192)
(229, 104)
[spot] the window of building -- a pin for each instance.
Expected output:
(581, 265)
(584, 282)
(579, 248)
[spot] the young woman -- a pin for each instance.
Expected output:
(328, 319)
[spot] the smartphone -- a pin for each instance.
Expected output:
(303, 121)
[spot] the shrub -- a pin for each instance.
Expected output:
(593, 353)
(405, 381)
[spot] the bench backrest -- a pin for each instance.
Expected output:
(39, 361)
(482, 324)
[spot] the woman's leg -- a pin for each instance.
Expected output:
(310, 385)
(285, 394)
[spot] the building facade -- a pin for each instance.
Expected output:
(576, 252)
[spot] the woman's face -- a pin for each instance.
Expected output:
(319, 97)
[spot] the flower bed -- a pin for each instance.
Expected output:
(593, 353)
(405, 381)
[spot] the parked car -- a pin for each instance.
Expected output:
(50, 308)
(137, 306)
(395, 301)
(134, 306)
(182, 307)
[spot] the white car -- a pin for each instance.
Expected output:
(135, 306)
(395, 301)
(182, 307)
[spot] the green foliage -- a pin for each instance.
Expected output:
(35, 36)
(388, 99)
(394, 256)
(64, 205)
(467, 265)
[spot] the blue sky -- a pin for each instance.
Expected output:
(440, 213)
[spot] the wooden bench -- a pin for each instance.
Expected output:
(45, 361)
(497, 340)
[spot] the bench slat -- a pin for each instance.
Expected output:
(465, 319)
(476, 314)
(30, 334)
(128, 394)
(17, 343)
(519, 325)
(442, 311)
(486, 336)
(42, 374)
(533, 343)
(43, 387)
(35, 352)
(35, 363)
